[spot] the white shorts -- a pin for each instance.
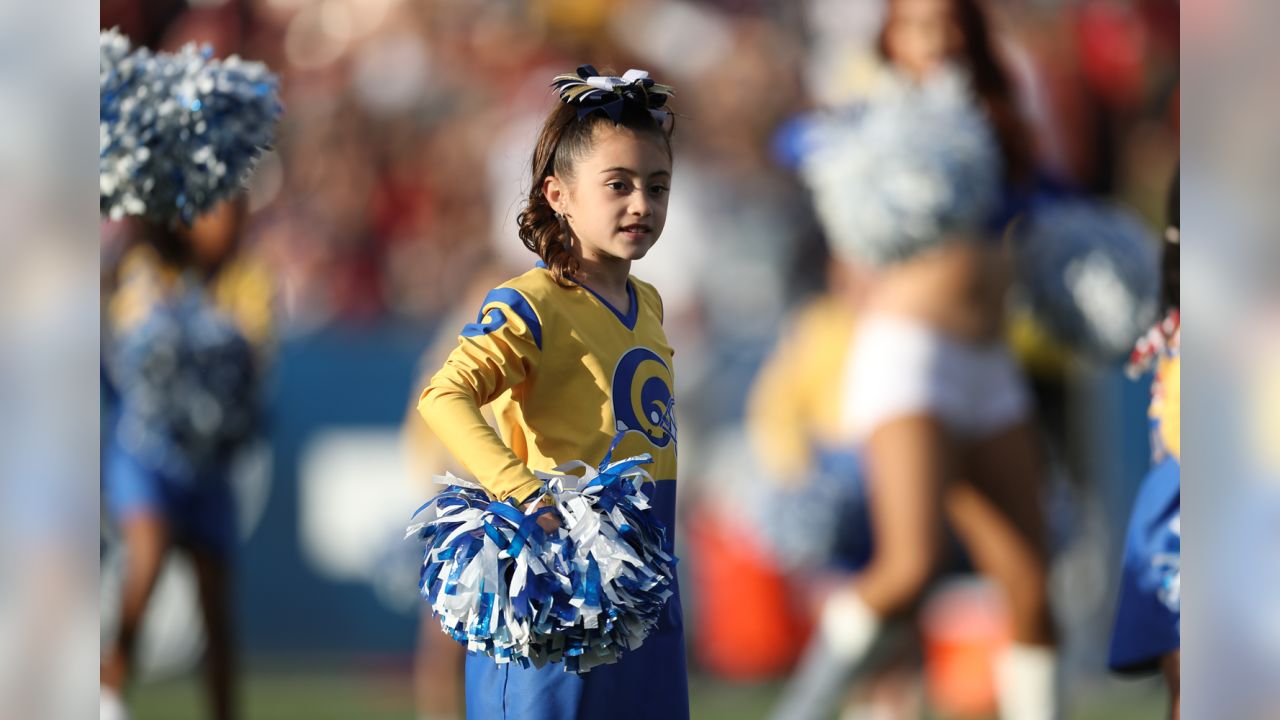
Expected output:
(898, 367)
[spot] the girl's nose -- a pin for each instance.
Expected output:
(639, 205)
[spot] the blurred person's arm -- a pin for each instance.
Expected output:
(245, 290)
(1037, 351)
(426, 455)
(1166, 405)
(793, 397)
(494, 355)
(140, 282)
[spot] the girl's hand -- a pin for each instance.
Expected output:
(549, 522)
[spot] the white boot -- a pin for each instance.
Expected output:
(1027, 683)
(111, 706)
(846, 635)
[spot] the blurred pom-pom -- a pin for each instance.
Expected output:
(188, 385)
(583, 596)
(903, 172)
(1090, 274)
(178, 133)
(822, 524)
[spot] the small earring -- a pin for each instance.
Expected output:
(565, 235)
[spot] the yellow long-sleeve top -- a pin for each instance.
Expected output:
(1166, 407)
(565, 372)
(242, 290)
(794, 407)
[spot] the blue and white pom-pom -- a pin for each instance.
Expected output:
(178, 133)
(903, 172)
(189, 382)
(1090, 273)
(822, 524)
(584, 596)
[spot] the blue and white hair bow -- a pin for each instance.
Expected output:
(592, 92)
(178, 133)
(584, 595)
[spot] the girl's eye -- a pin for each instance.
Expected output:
(617, 185)
(659, 189)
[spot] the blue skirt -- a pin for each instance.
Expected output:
(650, 683)
(199, 512)
(1149, 608)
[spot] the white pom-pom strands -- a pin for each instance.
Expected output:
(904, 172)
(582, 595)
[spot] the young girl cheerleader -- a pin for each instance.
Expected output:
(908, 189)
(1147, 634)
(571, 355)
(179, 134)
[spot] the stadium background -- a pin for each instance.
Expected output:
(393, 191)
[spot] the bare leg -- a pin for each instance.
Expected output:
(146, 540)
(214, 579)
(1171, 666)
(998, 515)
(438, 683)
(909, 460)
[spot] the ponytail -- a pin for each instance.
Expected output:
(541, 230)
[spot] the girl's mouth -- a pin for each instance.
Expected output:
(637, 230)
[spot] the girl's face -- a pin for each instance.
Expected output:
(214, 236)
(616, 201)
(920, 35)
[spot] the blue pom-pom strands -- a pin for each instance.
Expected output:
(904, 172)
(188, 381)
(178, 133)
(583, 596)
(592, 92)
(824, 522)
(1090, 273)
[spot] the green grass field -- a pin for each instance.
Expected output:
(329, 695)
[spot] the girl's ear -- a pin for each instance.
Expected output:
(554, 190)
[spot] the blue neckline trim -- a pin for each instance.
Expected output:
(629, 318)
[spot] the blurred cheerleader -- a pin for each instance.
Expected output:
(909, 186)
(179, 134)
(816, 485)
(1147, 634)
(813, 515)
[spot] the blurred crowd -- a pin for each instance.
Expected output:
(404, 146)
(407, 126)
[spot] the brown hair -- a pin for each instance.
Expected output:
(565, 139)
(989, 82)
(1171, 268)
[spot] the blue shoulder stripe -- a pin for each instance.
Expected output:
(488, 322)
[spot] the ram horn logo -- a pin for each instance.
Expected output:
(642, 397)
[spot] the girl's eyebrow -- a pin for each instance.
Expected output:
(629, 171)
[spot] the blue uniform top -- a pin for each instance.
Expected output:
(1148, 613)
